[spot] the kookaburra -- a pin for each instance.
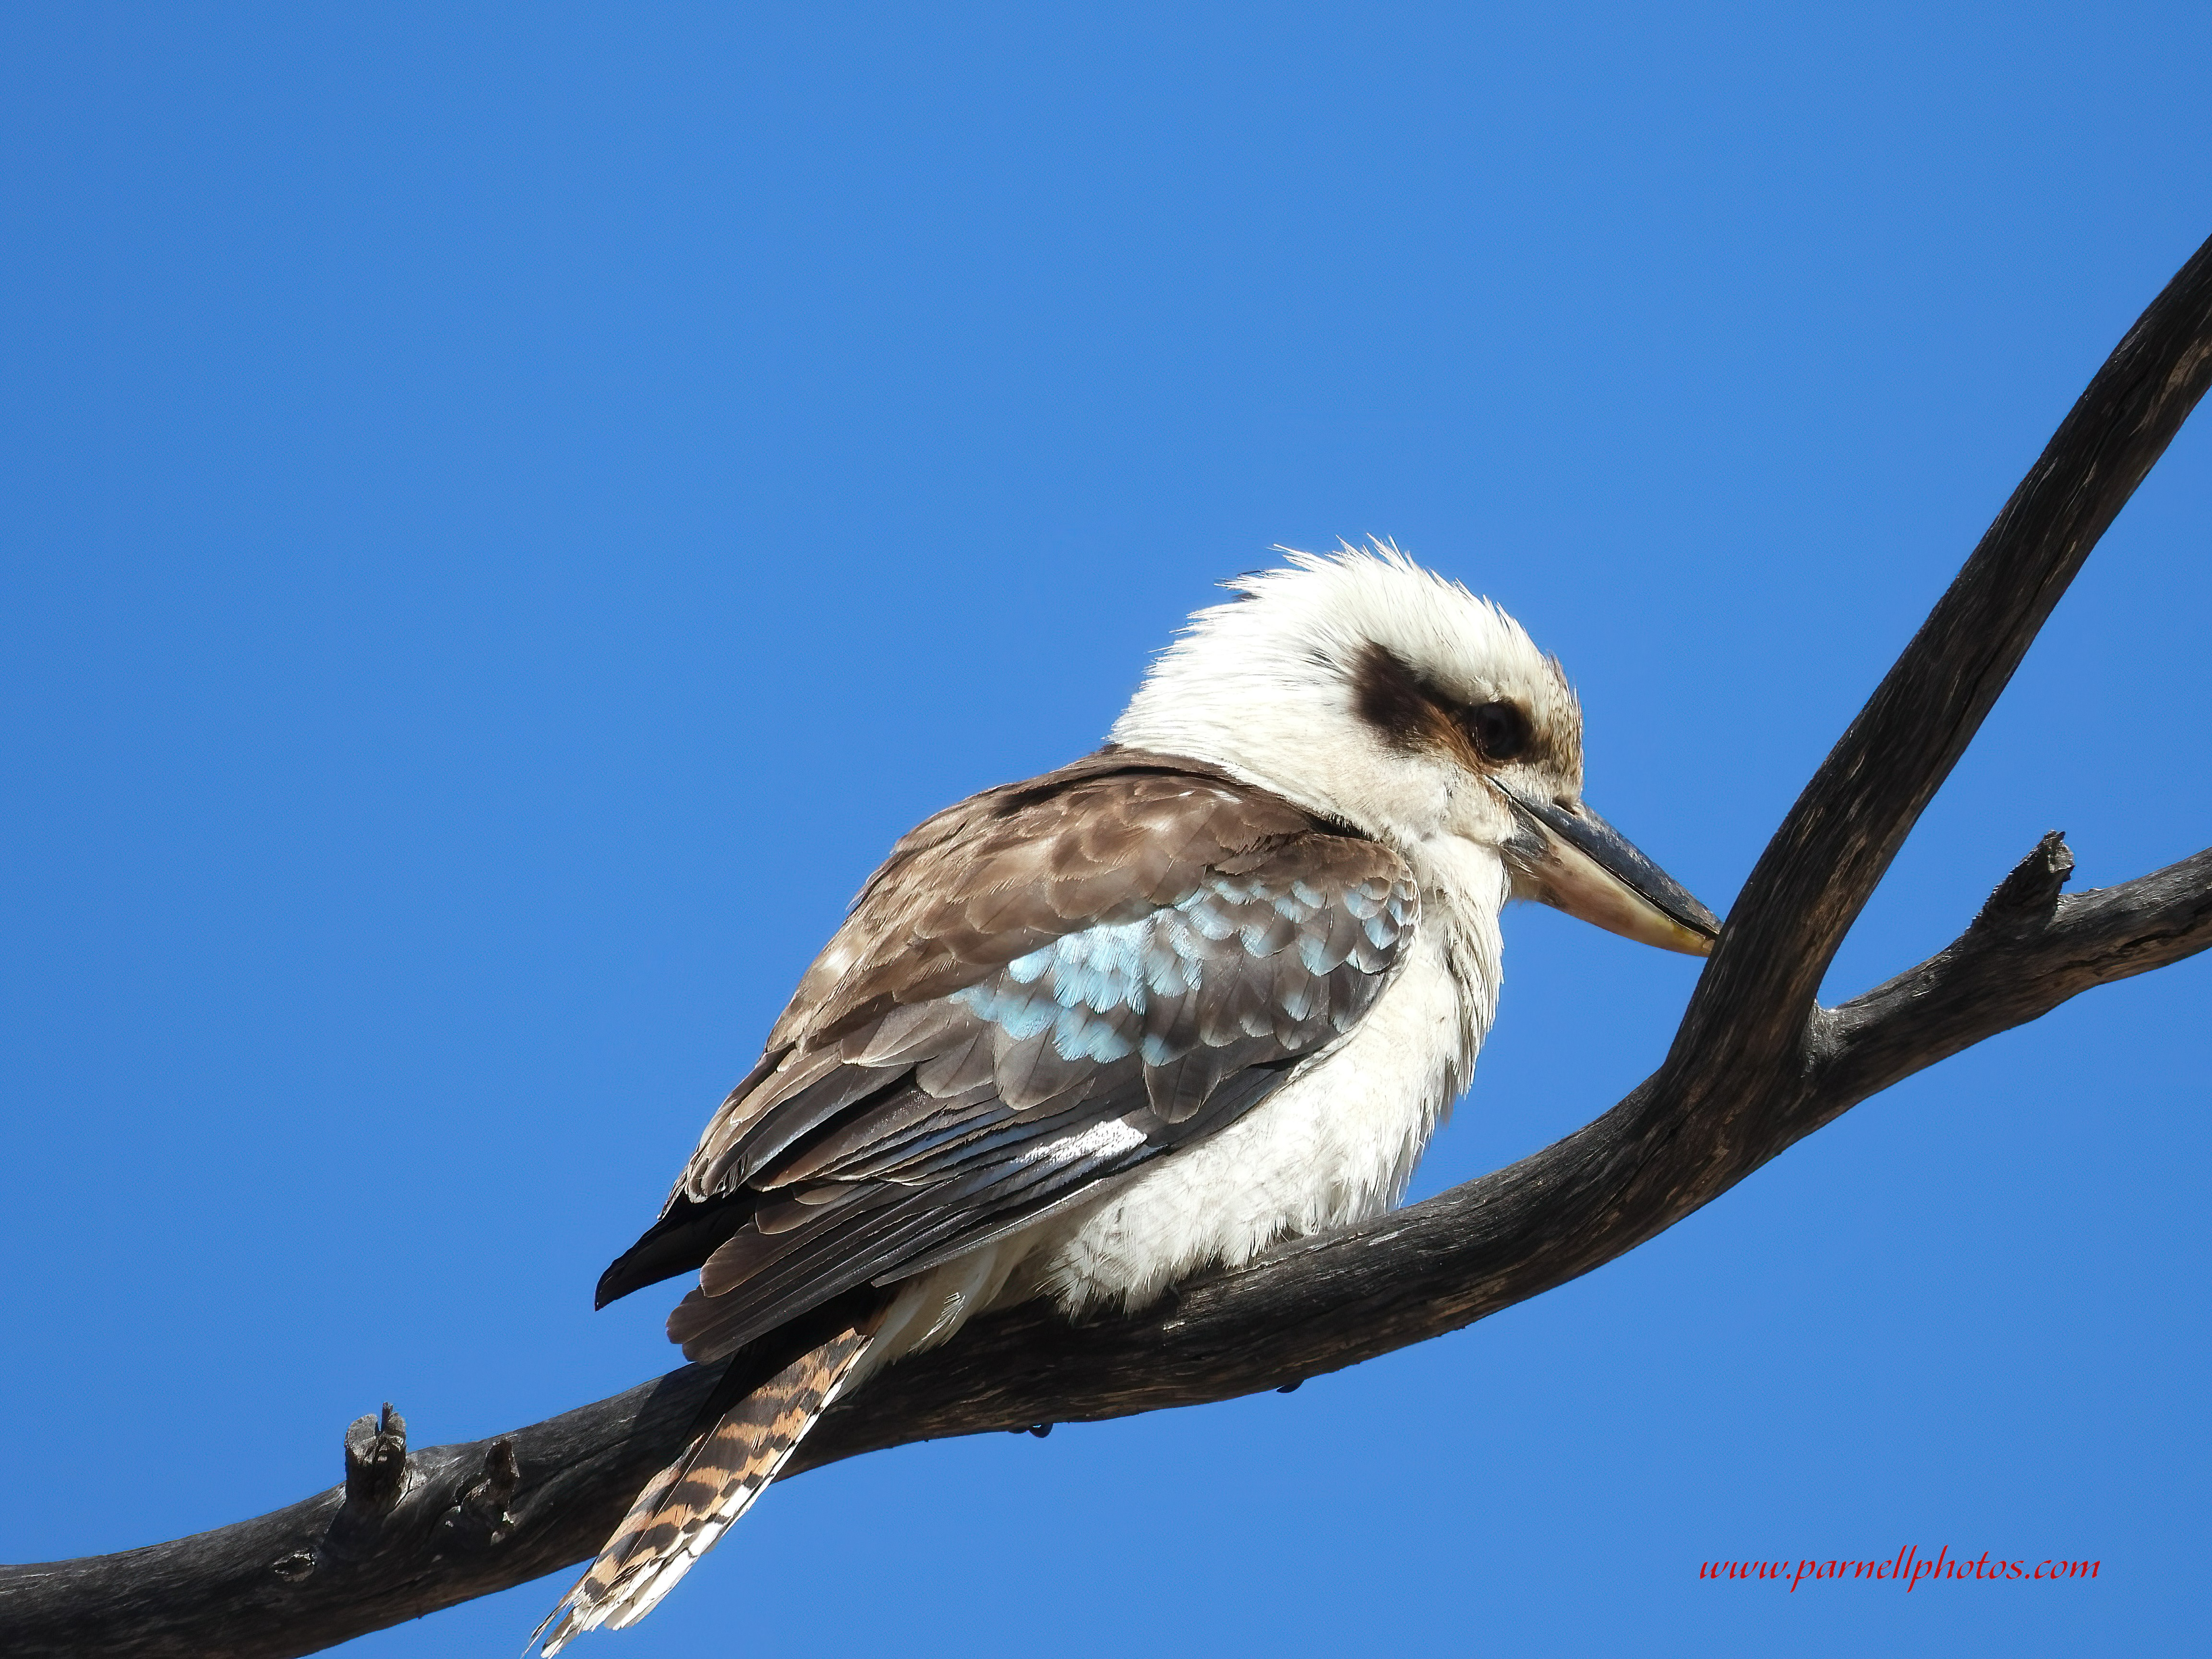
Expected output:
(1082, 1037)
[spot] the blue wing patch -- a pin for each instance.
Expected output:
(1096, 990)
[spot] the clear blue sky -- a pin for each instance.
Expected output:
(511, 509)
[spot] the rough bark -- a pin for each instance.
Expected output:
(1756, 1066)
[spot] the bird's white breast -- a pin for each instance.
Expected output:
(1335, 1144)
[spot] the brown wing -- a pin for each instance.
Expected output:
(1042, 988)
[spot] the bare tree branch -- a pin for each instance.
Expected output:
(1756, 1066)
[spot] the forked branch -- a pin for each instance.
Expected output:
(1756, 1066)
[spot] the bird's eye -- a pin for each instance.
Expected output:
(1500, 730)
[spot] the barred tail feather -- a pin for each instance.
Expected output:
(686, 1508)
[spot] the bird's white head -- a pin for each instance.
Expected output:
(1383, 695)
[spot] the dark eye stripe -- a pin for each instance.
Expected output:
(1391, 699)
(1411, 714)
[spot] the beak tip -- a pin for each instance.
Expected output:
(1698, 920)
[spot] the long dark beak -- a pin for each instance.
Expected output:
(1570, 858)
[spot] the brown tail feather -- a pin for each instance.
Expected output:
(688, 1505)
